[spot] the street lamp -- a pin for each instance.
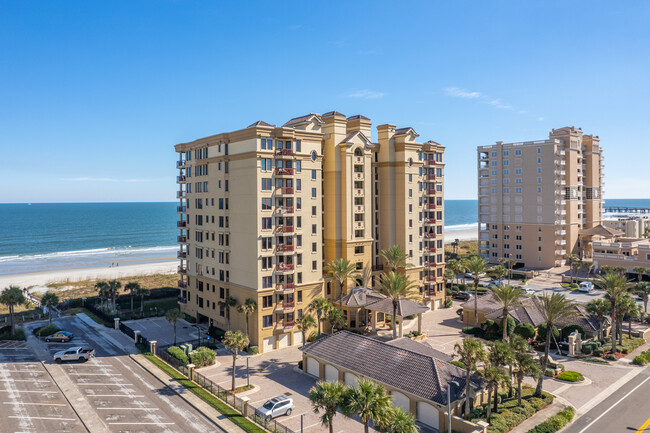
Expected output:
(451, 382)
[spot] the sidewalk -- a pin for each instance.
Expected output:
(539, 417)
(117, 338)
(208, 411)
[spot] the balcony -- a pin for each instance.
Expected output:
(285, 288)
(560, 252)
(430, 176)
(182, 300)
(284, 210)
(284, 326)
(430, 206)
(283, 171)
(429, 221)
(287, 190)
(181, 239)
(358, 192)
(430, 265)
(560, 242)
(181, 254)
(182, 284)
(358, 159)
(560, 232)
(182, 270)
(431, 250)
(181, 224)
(284, 267)
(182, 163)
(430, 162)
(378, 268)
(283, 152)
(429, 280)
(181, 179)
(181, 194)
(181, 209)
(284, 229)
(358, 176)
(430, 191)
(429, 236)
(359, 208)
(284, 248)
(285, 306)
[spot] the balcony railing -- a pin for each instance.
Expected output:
(359, 208)
(431, 250)
(181, 239)
(287, 325)
(181, 209)
(181, 254)
(430, 162)
(358, 160)
(285, 288)
(358, 176)
(429, 221)
(284, 248)
(181, 163)
(182, 300)
(283, 152)
(182, 284)
(181, 178)
(430, 264)
(182, 270)
(181, 224)
(429, 236)
(429, 280)
(358, 192)
(359, 225)
(284, 229)
(287, 190)
(284, 267)
(430, 191)
(181, 194)
(430, 176)
(284, 210)
(283, 171)
(430, 206)
(285, 306)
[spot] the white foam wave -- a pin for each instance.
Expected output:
(93, 252)
(461, 227)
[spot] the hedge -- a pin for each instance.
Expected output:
(202, 356)
(556, 422)
(510, 415)
(525, 330)
(19, 335)
(43, 331)
(179, 354)
(571, 376)
(569, 329)
(643, 358)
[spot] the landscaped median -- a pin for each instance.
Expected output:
(230, 413)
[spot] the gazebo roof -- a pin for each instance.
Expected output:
(405, 307)
(359, 297)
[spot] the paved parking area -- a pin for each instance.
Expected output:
(274, 374)
(159, 329)
(30, 401)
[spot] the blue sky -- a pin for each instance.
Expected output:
(93, 95)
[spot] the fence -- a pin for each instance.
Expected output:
(223, 394)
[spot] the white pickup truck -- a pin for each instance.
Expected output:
(74, 354)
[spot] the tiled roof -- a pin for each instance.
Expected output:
(405, 307)
(600, 230)
(358, 116)
(403, 131)
(350, 135)
(301, 119)
(333, 113)
(259, 123)
(399, 368)
(359, 297)
(423, 348)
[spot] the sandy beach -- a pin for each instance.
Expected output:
(462, 234)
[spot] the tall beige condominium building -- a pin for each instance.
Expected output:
(263, 208)
(535, 197)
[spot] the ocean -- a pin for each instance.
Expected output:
(46, 236)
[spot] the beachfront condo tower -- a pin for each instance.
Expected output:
(539, 200)
(264, 208)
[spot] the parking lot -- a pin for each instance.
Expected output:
(160, 330)
(30, 401)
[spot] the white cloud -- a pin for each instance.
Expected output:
(540, 118)
(456, 92)
(482, 98)
(498, 104)
(365, 94)
(89, 179)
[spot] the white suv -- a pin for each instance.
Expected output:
(275, 407)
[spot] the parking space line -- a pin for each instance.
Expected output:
(115, 395)
(128, 408)
(141, 423)
(21, 403)
(22, 390)
(41, 417)
(25, 380)
(95, 374)
(102, 384)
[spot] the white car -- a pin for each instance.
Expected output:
(275, 407)
(586, 286)
(529, 291)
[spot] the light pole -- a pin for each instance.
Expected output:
(451, 382)
(248, 377)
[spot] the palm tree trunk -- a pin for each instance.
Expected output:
(234, 370)
(475, 302)
(519, 393)
(365, 427)
(629, 327)
(613, 332)
(619, 327)
(505, 325)
(131, 304)
(303, 338)
(341, 295)
(489, 405)
(331, 424)
(247, 334)
(11, 316)
(394, 319)
(510, 383)
(547, 348)
(49, 310)
(496, 398)
(319, 319)
(468, 376)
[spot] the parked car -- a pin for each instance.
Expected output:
(495, 283)
(586, 286)
(74, 354)
(463, 296)
(61, 336)
(529, 291)
(275, 407)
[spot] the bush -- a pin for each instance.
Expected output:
(458, 364)
(448, 302)
(556, 422)
(300, 364)
(643, 358)
(471, 330)
(253, 350)
(43, 331)
(541, 333)
(413, 334)
(549, 372)
(178, 353)
(525, 330)
(599, 352)
(611, 357)
(18, 336)
(571, 376)
(203, 356)
(568, 330)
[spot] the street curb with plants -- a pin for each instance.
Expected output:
(556, 422)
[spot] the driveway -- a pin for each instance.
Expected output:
(162, 331)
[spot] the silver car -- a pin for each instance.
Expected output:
(275, 407)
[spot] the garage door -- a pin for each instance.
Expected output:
(428, 414)
(350, 379)
(313, 367)
(400, 400)
(438, 304)
(297, 338)
(284, 341)
(268, 344)
(331, 373)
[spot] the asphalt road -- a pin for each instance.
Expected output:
(627, 410)
(111, 389)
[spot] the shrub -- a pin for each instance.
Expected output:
(541, 333)
(178, 353)
(458, 364)
(568, 330)
(412, 334)
(549, 372)
(463, 287)
(599, 352)
(203, 356)
(571, 376)
(18, 336)
(253, 350)
(510, 325)
(300, 364)
(611, 357)
(556, 422)
(643, 358)
(448, 302)
(525, 330)
(477, 332)
(43, 331)
(587, 349)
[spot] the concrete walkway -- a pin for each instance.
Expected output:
(539, 417)
(224, 424)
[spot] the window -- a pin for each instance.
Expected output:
(266, 184)
(518, 152)
(267, 243)
(358, 250)
(267, 321)
(314, 265)
(267, 301)
(263, 143)
(313, 229)
(266, 223)
(539, 150)
(266, 204)
(506, 153)
(313, 211)
(298, 166)
(313, 156)
(267, 282)
(299, 296)
(298, 185)
(313, 192)
(506, 162)
(313, 247)
(267, 262)
(298, 146)
(313, 174)
(517, 170)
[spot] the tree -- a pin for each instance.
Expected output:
(132, 288)
(463, 264)
(627, 307)
(643, 290)
(235, 341)
(599, 308)
(554, 308)
(523, 362)
(477, 267)
(499, 354)
(646, 232)
(103, 291)
(11, 297)
(304, 324)
(328, 397)
(455, 245)
(587, 266)
(469, 352)
(575, 267)
(615, 286)
(141, 292)
(448, 276)
(508, 263)
(508, 297)
(248, 307)
(499, 273)
(399, 421)
(368, 400)
(109, 290)
(228, 303)
(340, 271)
(640, 272)
(395, 258)
(320, 306)
(494, 377)
(49, 300)
(397, 286)
(620, 270)
(172, 316)
(336, 318)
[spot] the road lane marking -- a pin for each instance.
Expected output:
(41, 417)
(103, 384)
(627, 394)
(643, 427)
(21, 390)
(94, 374)
(141, 423)
(115, 395)
(25, 380)
(128, 408)
(33, 404)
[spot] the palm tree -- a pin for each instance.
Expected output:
(228, 303)
(554, 308)
(172, 316)
(599, 308)
(340, 271)
(470, 352)
(640, 272)
(336, 318)
(397, 286)
(132, 288)
(494, 377)
(588, 266)
(627, 307)
(114, 287)
(575, 267)
(320, 306)
(395, 258)
(11, 297)
(477, 267)
(328, 397)
(448, 276)
(646, 232)
(455, 245)
(508, 263)
(499, 354)
(620, 270)
(399, 421)
(643, 290)
(49, 300)
(368, 400)
(499, 273)
(615, 286)
(103, 290)
(508, 297)
(454, 265)
(141, 292)
(462, 267)
(235, 341)
(248, 307)
(524, 363)
(304, 324)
